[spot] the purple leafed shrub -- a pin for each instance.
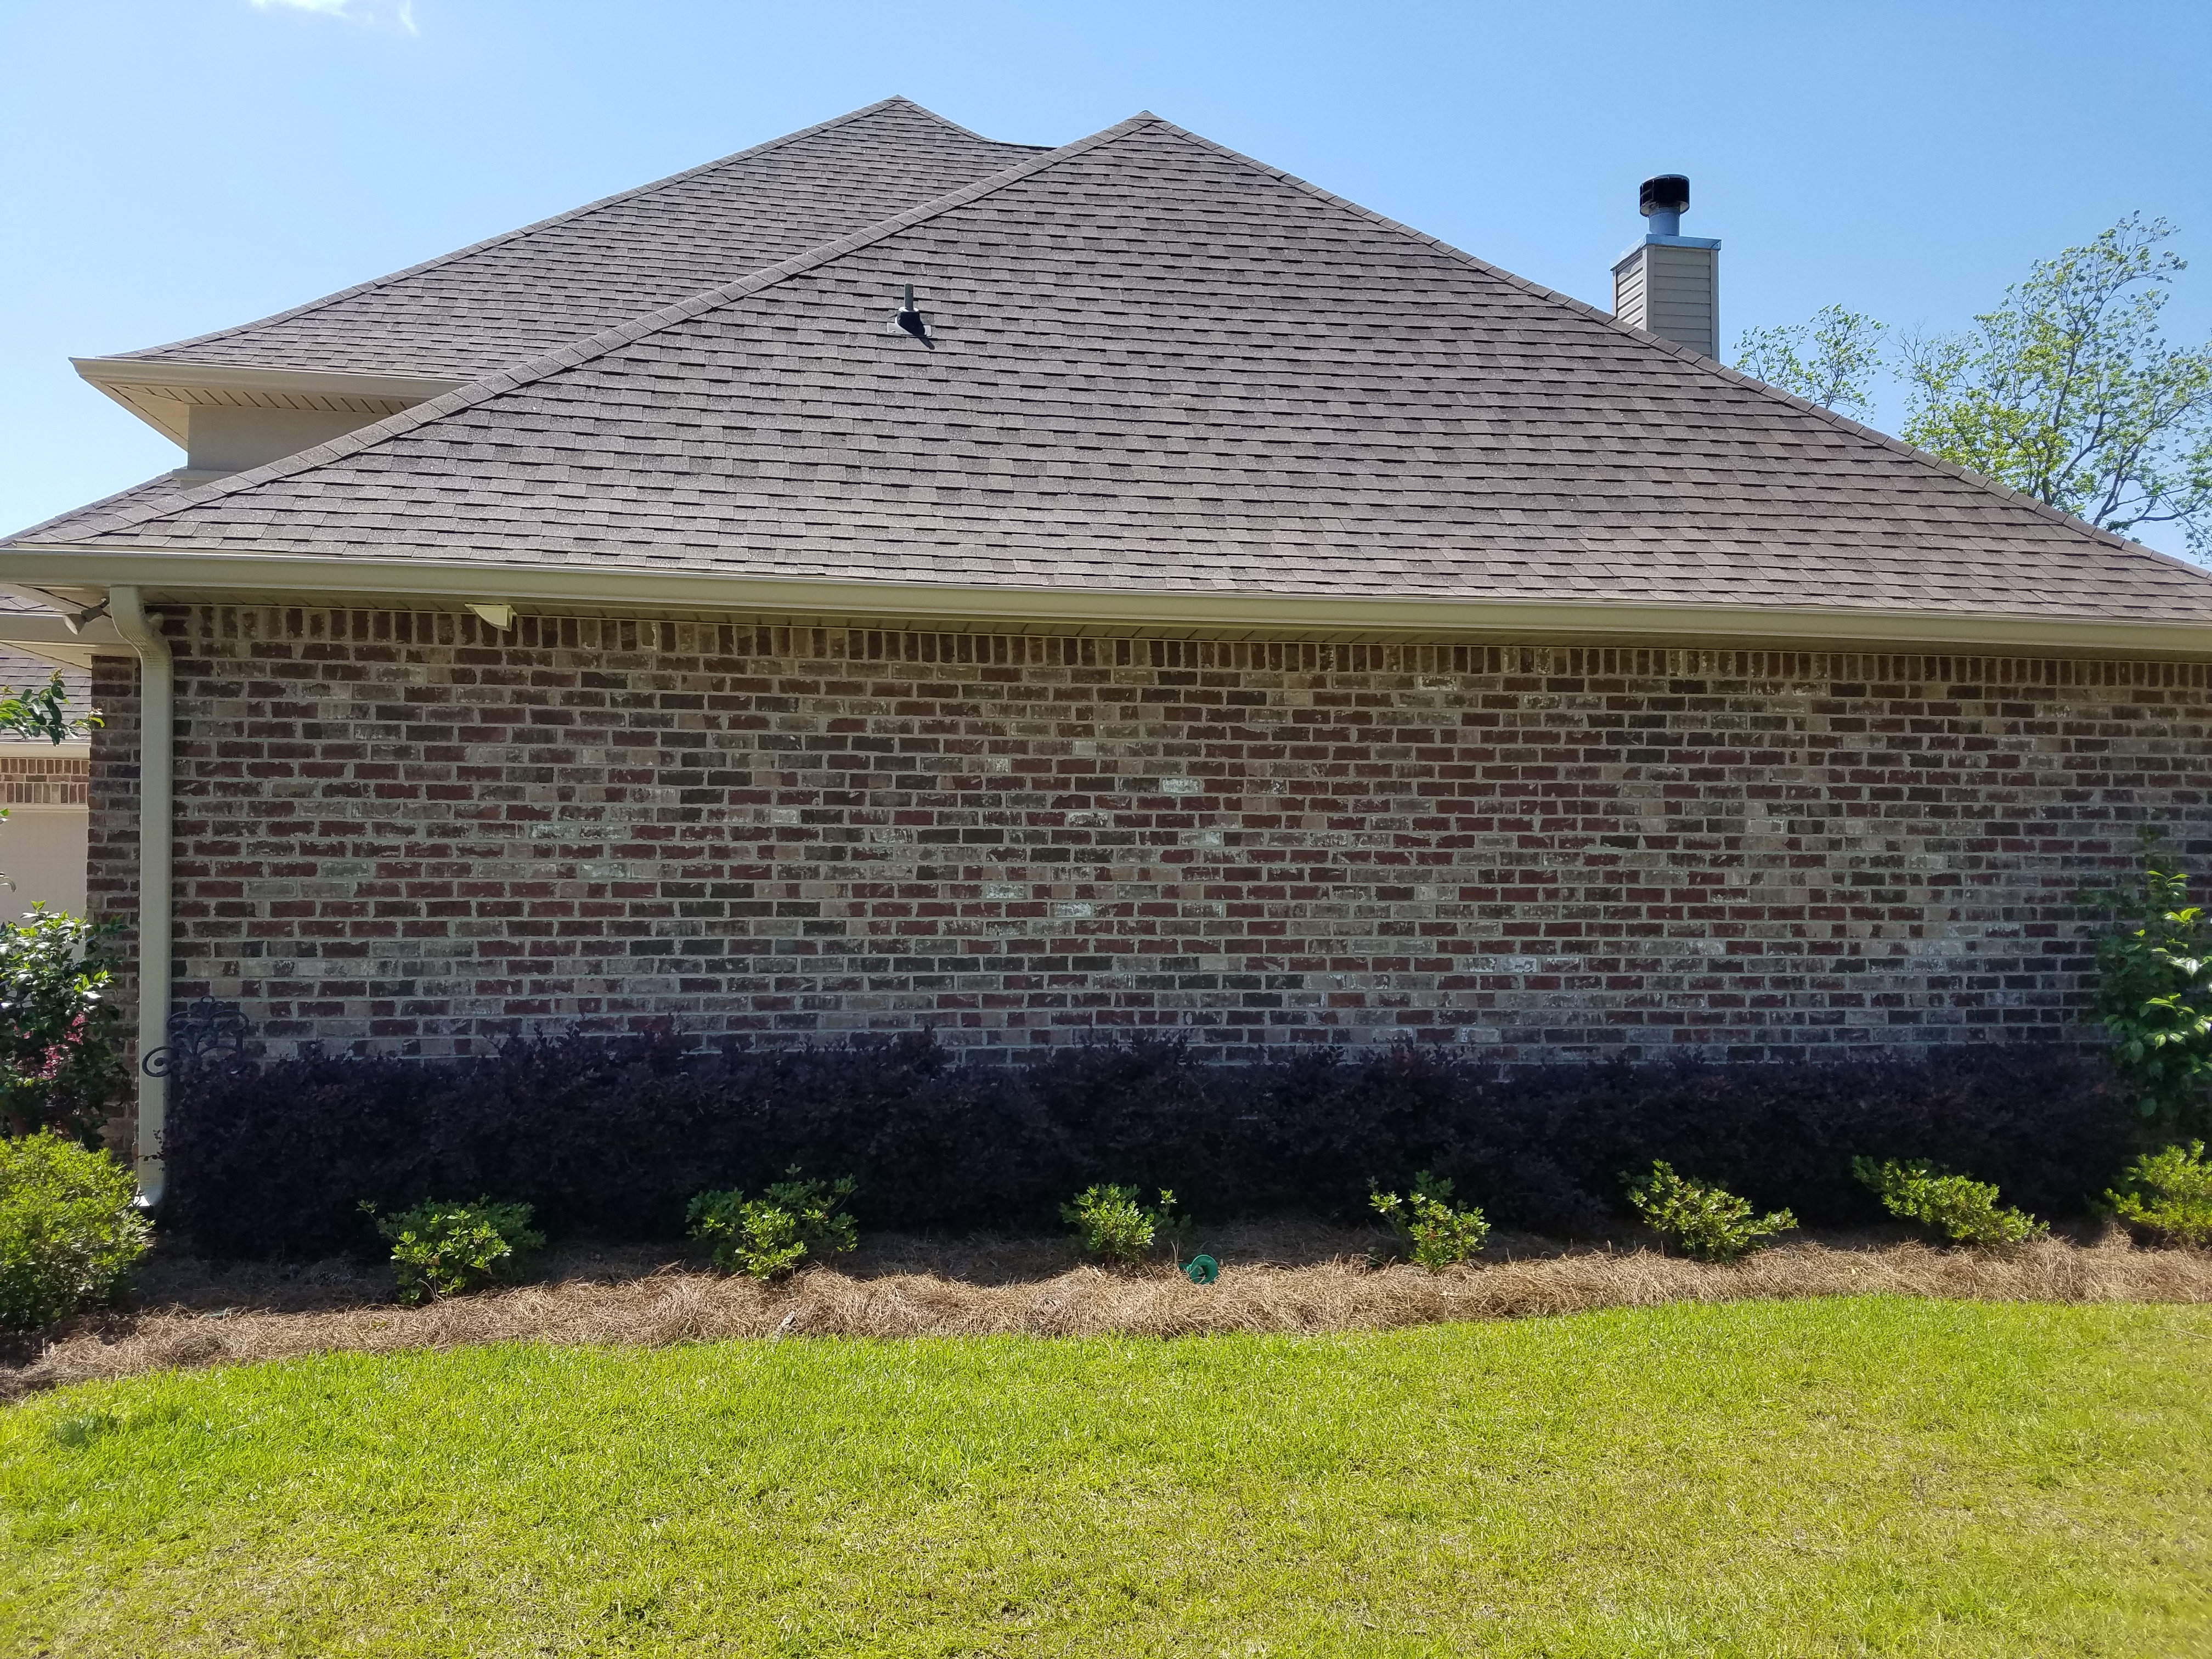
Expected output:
(612, 1139)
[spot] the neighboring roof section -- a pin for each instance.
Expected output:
(506, 300)
(125, 506)
(1158, 366)
(23, 670)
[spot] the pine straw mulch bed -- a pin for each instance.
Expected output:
(1275, 1277)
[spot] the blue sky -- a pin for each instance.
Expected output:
(176, 166)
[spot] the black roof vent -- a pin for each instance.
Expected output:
(1669, 193)
(908, 320)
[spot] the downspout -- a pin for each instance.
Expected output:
(156, 762)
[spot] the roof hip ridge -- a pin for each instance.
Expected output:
(1695, 359)
(152, 353)
(577, 352)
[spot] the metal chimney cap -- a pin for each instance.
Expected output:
(1669, 193)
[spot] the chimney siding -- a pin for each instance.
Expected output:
(1672, 287)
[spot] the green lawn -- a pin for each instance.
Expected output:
(1811, 1478)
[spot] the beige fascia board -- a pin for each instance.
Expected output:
(180, 577)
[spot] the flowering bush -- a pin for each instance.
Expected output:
(59, 1068)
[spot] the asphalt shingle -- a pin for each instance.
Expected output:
(514, 297)
(1161, 366)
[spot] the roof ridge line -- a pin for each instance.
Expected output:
(1696, 359)
(578, 352)
(152, 353)
(1003, 143)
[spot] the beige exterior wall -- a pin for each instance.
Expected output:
(42, 843)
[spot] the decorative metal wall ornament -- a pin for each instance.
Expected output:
(208, 1027)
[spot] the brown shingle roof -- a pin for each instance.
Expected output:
(21, 671)
(132, 502)
(487, 306)
(1163, 366)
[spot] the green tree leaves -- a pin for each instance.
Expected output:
(1830, 361)
(2068, 393)
(2154, 990)
(43, 713)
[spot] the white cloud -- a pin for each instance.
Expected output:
(371, 14)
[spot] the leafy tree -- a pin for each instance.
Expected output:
(2155, 990)
(1830, 360)
(59, 1068)
(2067, 392)
(43, 713)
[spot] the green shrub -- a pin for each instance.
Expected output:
(1963, 1211)
(70, 1228)
(2155, 990)
(769, 1235)
(1710, 1223)
(59, 1067)
(2168, 1194)
(1118, 1230)
(440, 1248)
(1431, 1232)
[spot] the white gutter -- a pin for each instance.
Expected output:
(259, 578)
(156, 826)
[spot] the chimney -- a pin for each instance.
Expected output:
(1669, 283)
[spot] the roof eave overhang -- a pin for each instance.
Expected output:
(159, 392)
(170, 576)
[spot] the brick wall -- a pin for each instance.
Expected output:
(35, 777)
(408, 831)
